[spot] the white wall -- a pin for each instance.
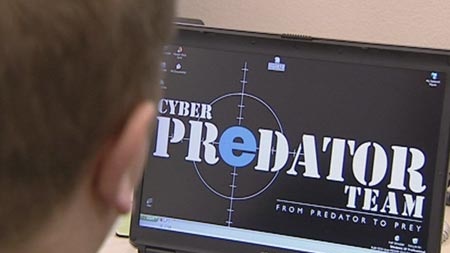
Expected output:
(422, 23)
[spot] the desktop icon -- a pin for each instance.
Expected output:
(434, 76)
(276, 65)
(433, 80)
(149, 202)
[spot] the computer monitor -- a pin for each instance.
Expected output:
(268, 143)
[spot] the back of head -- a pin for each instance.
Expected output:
(70, 72)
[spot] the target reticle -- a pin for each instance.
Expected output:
(239, 111)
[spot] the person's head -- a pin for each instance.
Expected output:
(77, 81)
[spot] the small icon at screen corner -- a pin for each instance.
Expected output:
(149, 202)
(434, 79)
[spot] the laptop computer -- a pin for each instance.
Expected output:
(285, 143)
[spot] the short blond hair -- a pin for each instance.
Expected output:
(70, 73)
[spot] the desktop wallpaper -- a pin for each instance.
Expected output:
(333, 151)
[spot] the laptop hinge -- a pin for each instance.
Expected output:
(189, 21)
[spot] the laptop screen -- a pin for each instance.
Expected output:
(296, 146)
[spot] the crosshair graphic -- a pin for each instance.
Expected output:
(244, 183)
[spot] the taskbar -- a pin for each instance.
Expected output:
(245, 235)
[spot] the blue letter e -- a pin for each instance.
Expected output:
(237, 154)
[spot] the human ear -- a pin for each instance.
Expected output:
(121, 164)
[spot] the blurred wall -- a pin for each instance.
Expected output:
(421, 23)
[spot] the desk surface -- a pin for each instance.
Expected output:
(115, 244)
